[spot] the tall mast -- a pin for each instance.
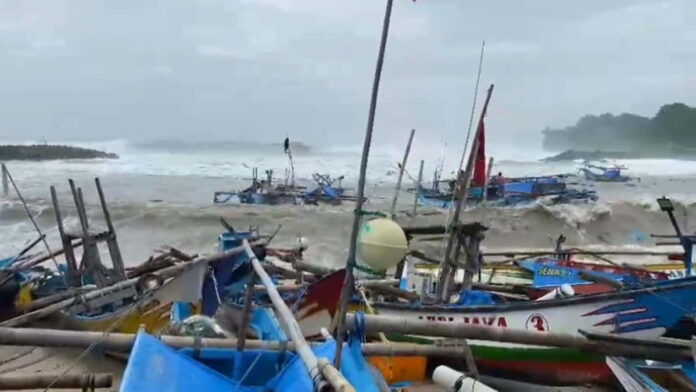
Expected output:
(347, 290)
(448, 268)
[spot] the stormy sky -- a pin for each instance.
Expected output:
(258, 69)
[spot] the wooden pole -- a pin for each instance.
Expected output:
(392, 210)
(246, 316)
(90, 252)
(347, 290)
(68, 381)
(5, 181)
(112, 242)
(288, 321)
(444, 285)
(122, 342)
(67, 243)
(419, 186)
(487, 181)
(460, 330)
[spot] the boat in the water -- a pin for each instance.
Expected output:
(600, 173)
(327, 190)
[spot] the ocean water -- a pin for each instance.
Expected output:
(164, 198)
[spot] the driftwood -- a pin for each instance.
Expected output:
(165, 259)
(68, 381)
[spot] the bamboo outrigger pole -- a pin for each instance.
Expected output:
(292, 329)
(392, 210)
(447, 272)
(347, 290)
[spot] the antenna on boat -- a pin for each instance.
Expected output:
(347, 290)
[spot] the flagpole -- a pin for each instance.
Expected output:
(347, 290)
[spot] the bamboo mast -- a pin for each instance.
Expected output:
(447, 271)
(488, 179)
(392, 210)
(5, 182)
(347, 290)
(418, 189)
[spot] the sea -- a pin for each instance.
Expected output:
(163, 196)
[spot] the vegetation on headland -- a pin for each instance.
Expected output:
(40, 152)
(670, 133)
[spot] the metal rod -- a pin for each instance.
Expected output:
(347, 290)
(392, 210)
(288, 321)
(419, 185)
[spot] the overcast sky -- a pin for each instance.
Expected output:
(214, 69)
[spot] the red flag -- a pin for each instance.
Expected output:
(479, 177)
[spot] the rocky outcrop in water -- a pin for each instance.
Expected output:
(40, 152)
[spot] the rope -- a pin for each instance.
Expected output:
(106, 333)
(466, 145)
(17, 356)
(36, 226)
(25, 365)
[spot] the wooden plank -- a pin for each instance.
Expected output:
(112, 242)
(392, 210)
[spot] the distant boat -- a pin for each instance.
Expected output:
(599, 173)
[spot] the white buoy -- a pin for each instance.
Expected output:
(563, 291)
(382, 244)
(449, 378)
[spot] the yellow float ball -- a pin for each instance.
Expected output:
(382, 244)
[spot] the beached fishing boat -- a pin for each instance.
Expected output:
(640, 312)
(653, 376)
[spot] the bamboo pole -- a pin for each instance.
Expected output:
(348, 283)
(419, 186)
(123, 342)
(392, 210)
(67, 243)
(123, 285)
(444, 285)
(291, 327)
(5, 181)
(487, 181)
(68, 381)
(329, 372)
(246, 316)
(460, 330)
